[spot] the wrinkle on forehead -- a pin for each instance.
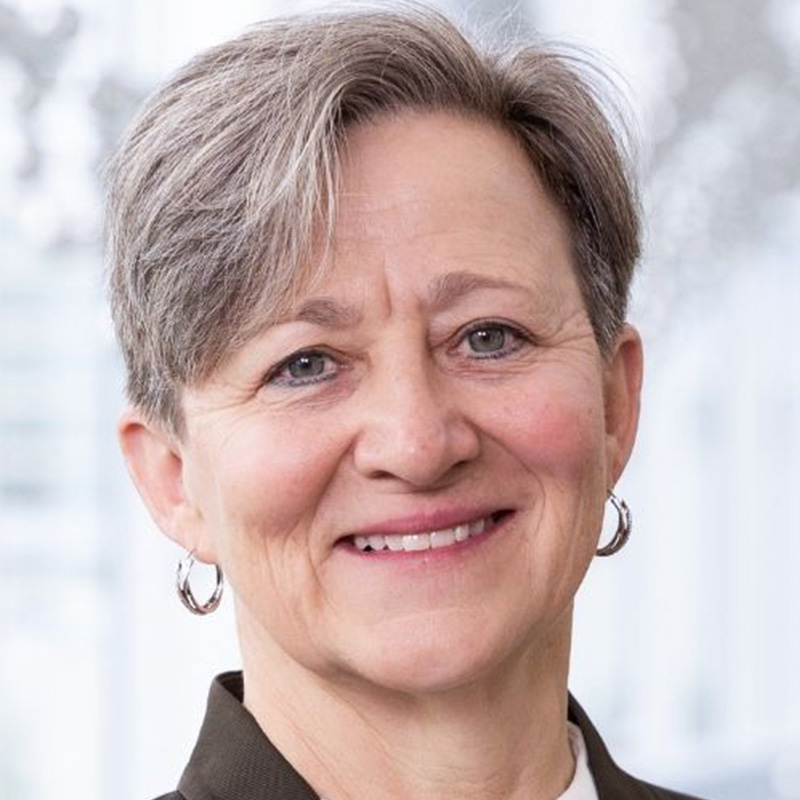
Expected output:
(443, 292)
(433, 208)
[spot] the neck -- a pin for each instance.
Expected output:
(501, 736)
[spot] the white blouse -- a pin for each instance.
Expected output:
(582, 786)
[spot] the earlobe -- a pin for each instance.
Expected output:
(156, 466)
(623, 388)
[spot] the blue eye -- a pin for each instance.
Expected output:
(303, 369)
(309, 365)
(487, 340)
(492, 340)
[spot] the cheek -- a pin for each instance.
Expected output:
(260, 494)
(557, 431)
(557, 436)
(268, 478)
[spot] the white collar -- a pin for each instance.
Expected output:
(582, 785)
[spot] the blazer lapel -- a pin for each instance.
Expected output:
(612, 782)
(233, 758)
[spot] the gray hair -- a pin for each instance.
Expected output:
(222, 184)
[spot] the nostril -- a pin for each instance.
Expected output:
(460, 466)
(382, 475)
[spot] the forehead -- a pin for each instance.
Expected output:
(424, 194)
(447, 161)
(432, 210)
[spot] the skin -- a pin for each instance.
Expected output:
(443, 673)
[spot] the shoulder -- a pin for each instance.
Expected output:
(611, 781)
(659, 793)
(614, 783)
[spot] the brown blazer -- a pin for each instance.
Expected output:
(234, 760)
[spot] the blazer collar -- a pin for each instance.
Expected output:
(234, 759)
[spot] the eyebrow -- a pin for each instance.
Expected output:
(446, 291)
(327, 313)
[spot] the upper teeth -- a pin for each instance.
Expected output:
(422, 541)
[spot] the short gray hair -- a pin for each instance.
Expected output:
(221, 185)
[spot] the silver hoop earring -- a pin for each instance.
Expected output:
(185, 590)
(624, 526)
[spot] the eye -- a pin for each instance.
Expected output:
(493, 340)
(303, 369)
(487, 340)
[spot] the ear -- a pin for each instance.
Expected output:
(623, 386)
(156, 465)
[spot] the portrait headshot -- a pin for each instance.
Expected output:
(438, 425)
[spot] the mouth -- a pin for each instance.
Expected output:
(419, 541)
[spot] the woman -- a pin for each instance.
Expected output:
(370, 283)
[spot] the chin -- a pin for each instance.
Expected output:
(434, 656)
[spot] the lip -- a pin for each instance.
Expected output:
(434, 559)
(426, 521)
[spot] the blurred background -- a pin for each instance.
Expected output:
(687, 649)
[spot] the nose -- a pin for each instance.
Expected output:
(413, 430)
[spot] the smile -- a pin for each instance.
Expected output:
(427, 540)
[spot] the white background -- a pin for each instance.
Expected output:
(687, 645)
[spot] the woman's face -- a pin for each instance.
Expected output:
(439, 389)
